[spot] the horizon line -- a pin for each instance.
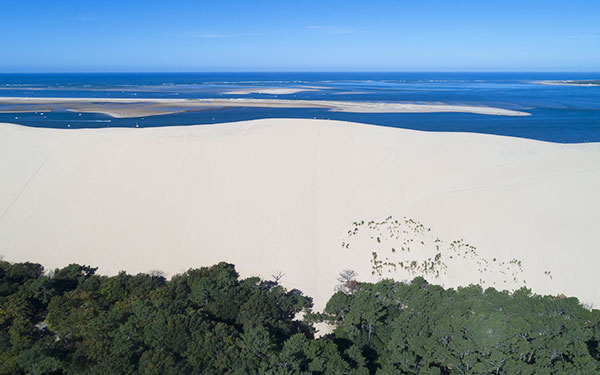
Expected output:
(296, 71)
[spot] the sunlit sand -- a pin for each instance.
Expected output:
(281, 195)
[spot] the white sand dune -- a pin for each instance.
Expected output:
(280, 195)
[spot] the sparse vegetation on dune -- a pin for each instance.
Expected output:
(401, 247)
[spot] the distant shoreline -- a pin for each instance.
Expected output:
(569, 83)
(125, 108)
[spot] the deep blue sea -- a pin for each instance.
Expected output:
(565, 114)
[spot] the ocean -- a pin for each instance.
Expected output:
(563, 114)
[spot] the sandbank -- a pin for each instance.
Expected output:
(132, 107)
(269, 90)
(568, 83)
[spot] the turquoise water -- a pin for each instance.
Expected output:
(565, 114)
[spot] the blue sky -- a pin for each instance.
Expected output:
(282, 35)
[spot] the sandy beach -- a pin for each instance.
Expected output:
(124, 108)
(281, 195)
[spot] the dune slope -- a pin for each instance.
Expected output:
(280, 195)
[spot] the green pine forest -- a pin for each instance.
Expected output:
(209, 321)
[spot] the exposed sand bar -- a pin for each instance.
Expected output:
(280, 195)
(269, 90)
(118, 107)
(568, 83)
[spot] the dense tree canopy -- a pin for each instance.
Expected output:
(209, 321)
(419, 328)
